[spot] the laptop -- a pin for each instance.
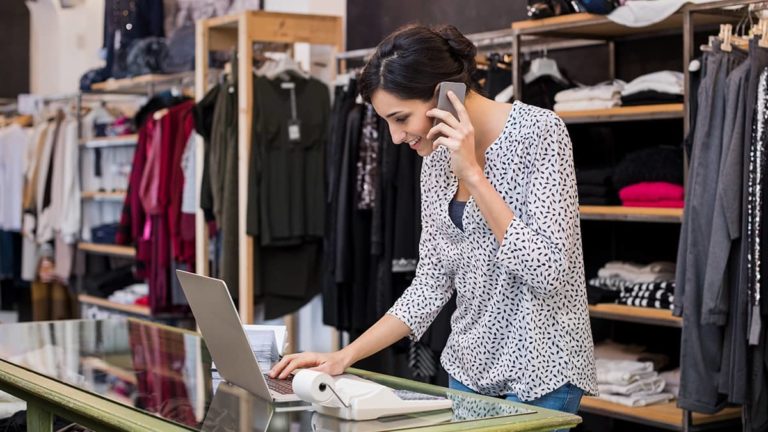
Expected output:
(226, 340)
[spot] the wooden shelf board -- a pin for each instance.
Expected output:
(115, 141)
(590, 26)
(108, 249)
(636, 214)
(630, 113)
(99, 364)
(664, 415)
(104, 303)
(140, 84)
(635, 314)
(103, 196)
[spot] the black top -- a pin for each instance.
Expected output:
(456, 212)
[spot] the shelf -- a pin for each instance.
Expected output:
(631, 214)
(104, 196)
(590, 26)
(108, 249)
(635, 314)
(104, 303)
(667, 415)
(144, 84)
(99, 364)
(116, 141)
(619, 114)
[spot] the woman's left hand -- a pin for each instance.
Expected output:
(458, 136)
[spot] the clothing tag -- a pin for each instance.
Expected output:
(287, 85)
(294, 130)
(755, 324)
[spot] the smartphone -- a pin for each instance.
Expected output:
(445, 104)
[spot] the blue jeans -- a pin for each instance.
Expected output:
(566, 398)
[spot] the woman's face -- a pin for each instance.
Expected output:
(407, 120)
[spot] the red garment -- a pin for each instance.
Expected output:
(152, 213)
(159, 358)
(142, 301)
(182, 231)
(133, 217)
(652, 191)
(659, 204)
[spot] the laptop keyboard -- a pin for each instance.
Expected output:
(280, 386)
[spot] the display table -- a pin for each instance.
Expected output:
(132, 375)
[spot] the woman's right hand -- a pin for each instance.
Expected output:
(334, 363)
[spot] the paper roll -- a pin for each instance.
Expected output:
(315, 387)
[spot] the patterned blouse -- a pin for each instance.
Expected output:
(521, 325)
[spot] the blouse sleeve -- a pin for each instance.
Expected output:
(431, 288)
(536, 244)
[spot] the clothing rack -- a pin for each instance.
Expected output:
(485, 41)
(241, 32)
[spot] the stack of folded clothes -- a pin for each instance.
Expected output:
(596, 187)
(651, 177)
(656, 295)
(601, 96)
(132, 294)
(654, 88)
(633, 284)
(672, 380)
(630, 383)
(653, 194)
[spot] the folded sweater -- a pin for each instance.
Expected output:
(657, 204)
(652, 191)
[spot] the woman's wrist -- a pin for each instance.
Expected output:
(474, 177)
(347, 355)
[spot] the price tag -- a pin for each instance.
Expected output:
(294, 130)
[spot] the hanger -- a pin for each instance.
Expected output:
(284, 67)
(543, 66)
(725, 36)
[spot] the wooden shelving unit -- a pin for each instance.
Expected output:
(631, 214)
(104, 303)
(240, 32)
(144, 84)
(666, 416)
(590, 26)
(115, 141)
(103, 196)
(635, 314)
(619, 114)
(600, 28)
(107, 249)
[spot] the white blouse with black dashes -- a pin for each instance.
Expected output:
(521, 324)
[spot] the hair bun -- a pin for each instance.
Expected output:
(461, 47)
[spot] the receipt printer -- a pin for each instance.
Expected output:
(352, 398)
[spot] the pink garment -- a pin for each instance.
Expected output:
(652, 191)
(661, 204)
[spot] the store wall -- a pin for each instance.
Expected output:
(14, 50)
(64, 43)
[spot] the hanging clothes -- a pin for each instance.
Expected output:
(286, 191)
(702, 344)
(151, 218)
(756, 417)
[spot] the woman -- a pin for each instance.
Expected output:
(500, 226)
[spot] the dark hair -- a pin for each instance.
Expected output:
(410, 62)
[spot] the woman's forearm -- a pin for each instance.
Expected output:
(492, 206)
(385, 332)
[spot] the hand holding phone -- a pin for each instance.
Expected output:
(453, 130)
(443, 103)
